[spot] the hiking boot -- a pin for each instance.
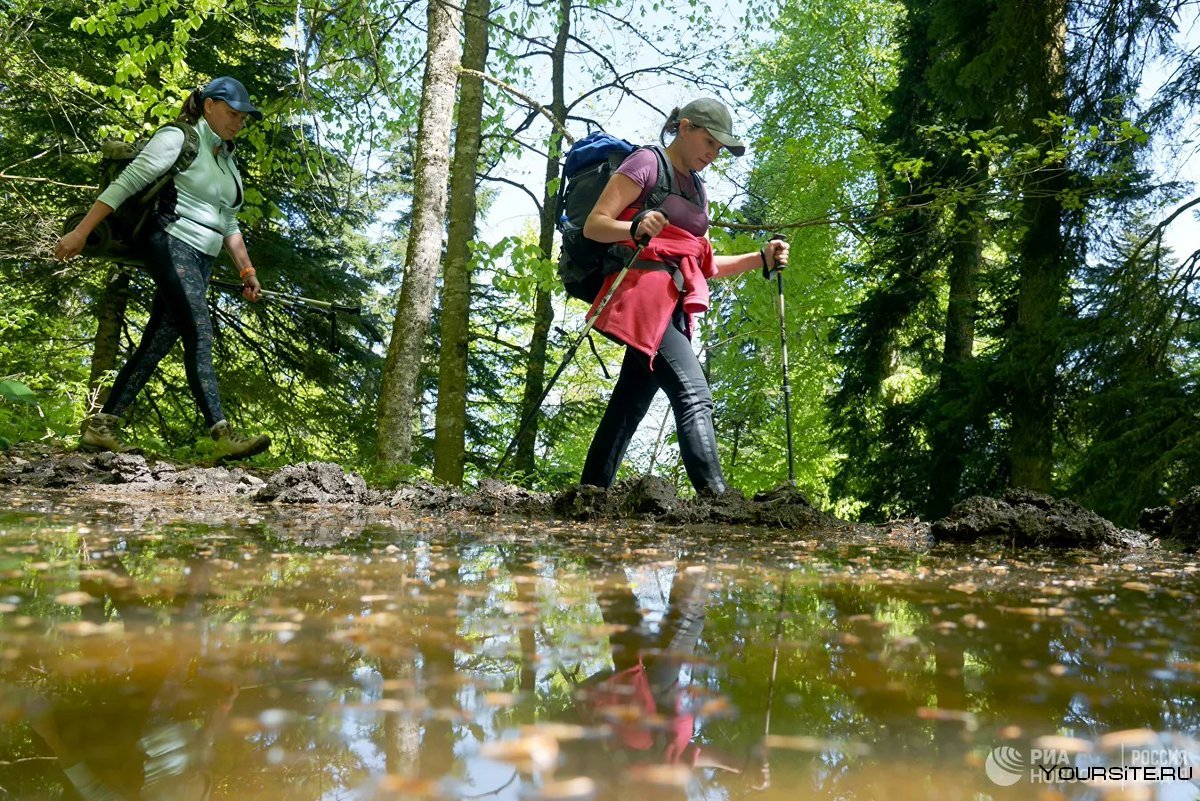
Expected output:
(102, 432)
(232, 445)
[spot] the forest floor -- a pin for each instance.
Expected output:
(1019, 518)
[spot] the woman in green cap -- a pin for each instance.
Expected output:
(651, 310)
(193, 217)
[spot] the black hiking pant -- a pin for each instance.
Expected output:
(179, 311)
(676, 372)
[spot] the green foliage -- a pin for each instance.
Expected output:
(900, 144)
(122, 68)
(16, 392)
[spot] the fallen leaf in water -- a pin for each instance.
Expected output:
(74, 599)
(580, 788)
(500, 699)
(563, 731)
(530, 753)
(715, 707)
(814, 745)
(1034, 611)
(84, 628)
(661, 775)
(410, 786)
(968, 719)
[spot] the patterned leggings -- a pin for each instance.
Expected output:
(179, 310)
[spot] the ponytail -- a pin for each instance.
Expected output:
(671, 126)
(193, 107)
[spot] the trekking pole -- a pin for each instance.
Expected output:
(532, 413)
(787, 386)
(328, 309)
(292, 300)
(765, 768)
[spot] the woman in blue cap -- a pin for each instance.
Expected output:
(194, 216)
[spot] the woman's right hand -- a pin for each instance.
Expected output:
(651, 225)
(70, 246)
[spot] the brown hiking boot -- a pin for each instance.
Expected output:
(102, 432)
(232, 445)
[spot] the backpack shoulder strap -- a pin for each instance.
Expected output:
(664, 185)
(187, 154)
(666, 181)
(191, 145)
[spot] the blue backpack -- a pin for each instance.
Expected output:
(590, 162)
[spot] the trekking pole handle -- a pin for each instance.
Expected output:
(644, 239)
(779, 263)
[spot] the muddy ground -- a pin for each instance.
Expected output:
(1017, 519)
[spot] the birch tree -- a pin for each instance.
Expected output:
(398, 396)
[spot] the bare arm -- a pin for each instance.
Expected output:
(72, 242)
(775, 252)
(235, 245)
(602, 224)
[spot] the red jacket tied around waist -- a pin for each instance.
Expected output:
(640, 310)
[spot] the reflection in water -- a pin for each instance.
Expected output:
(229, 654)
(141, 725)
(644, 697)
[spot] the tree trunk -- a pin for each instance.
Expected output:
(399, 393)
(110, 321)
(451, 417)
(1035, 348)
(535, 371)
(948, 431)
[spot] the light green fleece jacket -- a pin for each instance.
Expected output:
(208, 193)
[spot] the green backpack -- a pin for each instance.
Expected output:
(117, 237)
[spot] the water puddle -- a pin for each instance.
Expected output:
(163, 650)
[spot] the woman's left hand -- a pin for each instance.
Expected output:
(251, 288)
(776, 254)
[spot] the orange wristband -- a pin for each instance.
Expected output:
(247, 271)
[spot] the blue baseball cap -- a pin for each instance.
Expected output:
(232, 92)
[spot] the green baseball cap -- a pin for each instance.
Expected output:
(711, 114)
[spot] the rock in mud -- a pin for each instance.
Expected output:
(497, 497)
(315, 482)
(224, 481)
(729, 508)
(1023, 518)
(647, 495)
(641, 496)
(125, 468)
(1156, 522)
(52, 472)
(787, 507)
(584, 502)
(654, 498)
(1185, 519)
